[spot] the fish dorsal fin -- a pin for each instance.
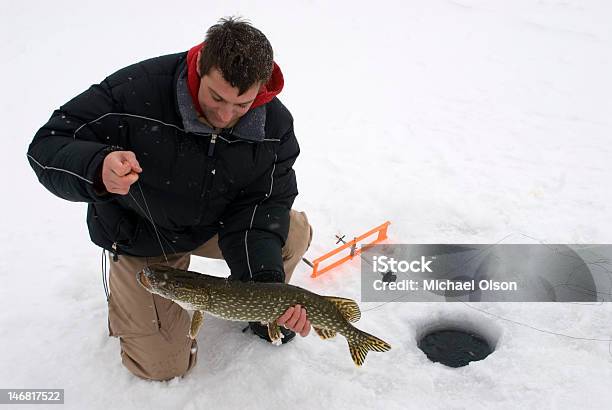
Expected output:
(347, 307)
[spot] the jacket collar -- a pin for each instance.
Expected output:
(250, 127)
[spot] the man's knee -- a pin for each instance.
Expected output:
(300, 233)
(298, 242)
(157, 358)
(153, 331)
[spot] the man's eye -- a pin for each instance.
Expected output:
(217, 99)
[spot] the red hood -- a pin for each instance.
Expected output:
(266, 93)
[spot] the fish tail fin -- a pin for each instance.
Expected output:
(364, 342)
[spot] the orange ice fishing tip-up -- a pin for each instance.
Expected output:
(352, 247)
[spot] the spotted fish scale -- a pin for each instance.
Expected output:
(260, 302)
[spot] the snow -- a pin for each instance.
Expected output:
(464, 121)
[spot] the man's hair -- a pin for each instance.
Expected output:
(241, 52)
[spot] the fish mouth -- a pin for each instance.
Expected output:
(143, 278)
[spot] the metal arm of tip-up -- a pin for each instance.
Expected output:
(353, 249)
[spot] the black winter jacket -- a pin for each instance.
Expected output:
(238, 183)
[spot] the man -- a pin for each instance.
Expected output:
(189, 153)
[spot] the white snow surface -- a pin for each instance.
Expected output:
(461, 121)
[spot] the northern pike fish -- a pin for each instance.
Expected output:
(259, 302)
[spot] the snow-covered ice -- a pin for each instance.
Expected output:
(460, 121)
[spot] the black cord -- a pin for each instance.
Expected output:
(104, 280)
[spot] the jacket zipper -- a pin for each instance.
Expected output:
(114, 252)
(209, 170)
(211, 146)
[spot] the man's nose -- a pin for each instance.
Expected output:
(225, 113)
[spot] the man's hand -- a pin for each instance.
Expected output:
(295, 319)
(119, 171)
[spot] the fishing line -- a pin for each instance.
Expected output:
(533, 327)
(541, 330)
(151, 219)
(149, 216)
(145, 213)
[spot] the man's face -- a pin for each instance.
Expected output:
(220, 102)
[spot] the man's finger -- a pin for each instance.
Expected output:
(131, 178)
(119, 167)
(299, 326)
(121, 185)
(285, 316)
(294, 317)
(306, 329)
(130, 157)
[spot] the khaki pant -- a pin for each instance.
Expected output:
(153, 331)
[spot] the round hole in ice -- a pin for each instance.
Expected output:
(454, 347)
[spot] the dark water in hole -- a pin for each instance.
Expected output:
(454, 348)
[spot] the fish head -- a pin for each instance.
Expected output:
(182, 287)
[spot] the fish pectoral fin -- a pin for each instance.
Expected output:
(347, 307)
(196, 323)
(324, 333)
(274, 333)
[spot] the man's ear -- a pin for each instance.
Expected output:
(198, 63)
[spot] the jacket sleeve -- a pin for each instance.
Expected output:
(254, 228)
(66, 154)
